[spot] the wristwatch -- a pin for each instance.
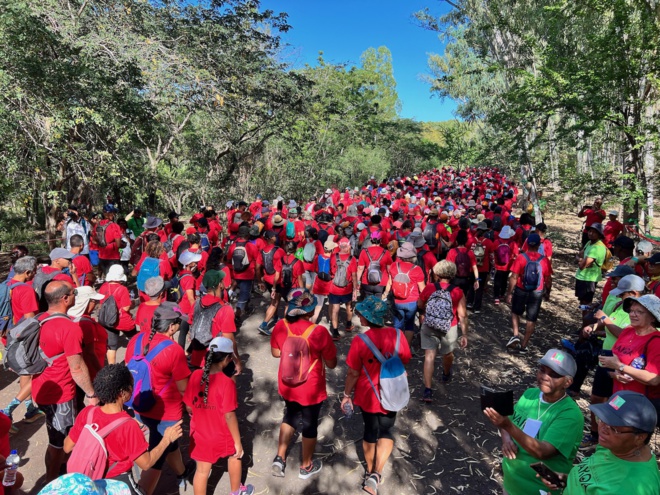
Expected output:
(621, 368)
(603, 318)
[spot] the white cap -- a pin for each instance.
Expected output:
(188, 257)
(222, 344)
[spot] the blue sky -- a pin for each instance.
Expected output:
(342, 30)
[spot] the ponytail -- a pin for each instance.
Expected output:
(211, 358)
(160, 326)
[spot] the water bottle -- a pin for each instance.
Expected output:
(584, 307)
(348, 410)
(12, 468)
(639, 362)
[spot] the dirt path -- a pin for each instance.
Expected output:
(447, 447)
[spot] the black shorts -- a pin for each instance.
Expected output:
(603, 383)
(526, 301)
(585, 291)
(345, 299)
(59, 420)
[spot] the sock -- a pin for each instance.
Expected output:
(29, 405)
(12, 405)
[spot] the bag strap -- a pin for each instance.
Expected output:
(138, 345)
(308, 331)
(153, 352)
(398, 339)
(109, 428)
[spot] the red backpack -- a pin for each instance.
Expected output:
(90, 456)
(463, 268)
(503, 254)
(295, 359)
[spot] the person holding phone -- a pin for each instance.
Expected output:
(623, 460)
(546, 425)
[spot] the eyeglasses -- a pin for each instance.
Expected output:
(544, 370)
(636, 312)
(74, 292)
(613, 429)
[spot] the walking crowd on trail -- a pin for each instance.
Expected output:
(413, 258)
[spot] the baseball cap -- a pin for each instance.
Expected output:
(222, 344)
(188, 257)
(644, 246)
(629, 283)
(154, 286)
(624, 242)
(613, 212)
(109, 208)
(655, 259)
(621, 271)
(533, 240)
(269, 234)
(58, 253)
(167, 312)
(560, 362)
(627, 408)
(330, 243)
(344, 241)
(212, 278)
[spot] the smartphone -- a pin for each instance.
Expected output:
(548, 474)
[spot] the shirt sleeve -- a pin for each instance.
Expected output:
(224, 321)
(353, 359)
(180, 369)
(229, 396)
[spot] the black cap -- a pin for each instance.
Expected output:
(624, 242)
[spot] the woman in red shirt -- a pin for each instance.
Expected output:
(378, 439)
(304, 398)
(114, 286)
(125, 444)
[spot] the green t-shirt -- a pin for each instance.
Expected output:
(605, 474)
(610, 302)
(621, 319)
(596, 251)
(136, 225)
(562, 424)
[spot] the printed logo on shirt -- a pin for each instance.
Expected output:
(617, 402)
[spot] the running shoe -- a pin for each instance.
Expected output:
(33, 414)
(245, 490)
(514, 343)
(311, 470)
(278, 467)
(335, 334)
(263, 329)
(427, 396)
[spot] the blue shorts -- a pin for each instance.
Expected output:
(346, 299)
(156, 431)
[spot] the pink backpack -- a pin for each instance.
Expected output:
(295, 359)
(89, 456)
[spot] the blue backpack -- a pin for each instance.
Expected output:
(143, 398)
(533, 274)
(6, 313)
(324, 269)
(394, 391)
(290, 230)
(150, 268)
(204, 242)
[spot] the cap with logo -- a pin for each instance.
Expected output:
(560, 362)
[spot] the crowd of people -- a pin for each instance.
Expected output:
(413, 258)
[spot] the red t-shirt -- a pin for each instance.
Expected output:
(168, 367)
(124, 444)
(210, 438)
(518, 267)
(416, 276)
(252, 254)
(488, 248)
(164, 267)
(187, 282)
(360, 357)
(144, 316)
(514, 250)
(23, 299)
(629, 346)
(385, 261)
(456, 296)
(321, 348)
(611, 231)
(83, 268)
(351, 269)
(593, 216)
(55, 385)
(96, 338)
(112, 233)
(223, 322)
(270, 278)
(453, 253)
(298, 268)
(60, 276)
(547, 247)
(123, 299)
(321, 287)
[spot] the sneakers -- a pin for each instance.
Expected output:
(523, 350)
(184, 478)
(446, 378)
(278, 467)
(335, 334)
(263, 329)
(427, 396)
(33, 415)
(497, 302)
(470, 305)
(311, 470)
(589, 441)
(244, 490)
(476, 311)
(514, 343)
(13, 430)
(349, 327)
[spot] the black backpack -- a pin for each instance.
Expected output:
(41, 279)
(269, 257)
(287, 274)
(100, 235)
(23, 354)
(497, 223)
(203, 322)
(109, 313)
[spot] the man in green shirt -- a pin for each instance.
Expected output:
(590, 261)
(135, 221)
(546, 426)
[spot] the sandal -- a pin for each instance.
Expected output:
(371, 483)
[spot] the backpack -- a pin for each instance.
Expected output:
(503, 254)
(175, 294)
(269, 258)
(295, 360)
(497, 223)
(100, 235)
(541, 249)
(608, 262)
(440, 309)
(203, 321)
(431, 234)
(420, 261)
(41, 279)
(287, 273)
(299, 253)
(401, 283)
(6, 313)
(355, 245)
(136, 249)
(479, 251)
(204, 242)
(324, 269)
(239, 258)
(143, 398)
(341, 275)
(150, 268)
(169, 245)
(109, 313)
(290, 230)
(90, 457)
(23, 354)
(309, 251)
(323, 234)
(533, 274)
(525, 235)
(374, 274)
(463, 268)
(393, 379)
